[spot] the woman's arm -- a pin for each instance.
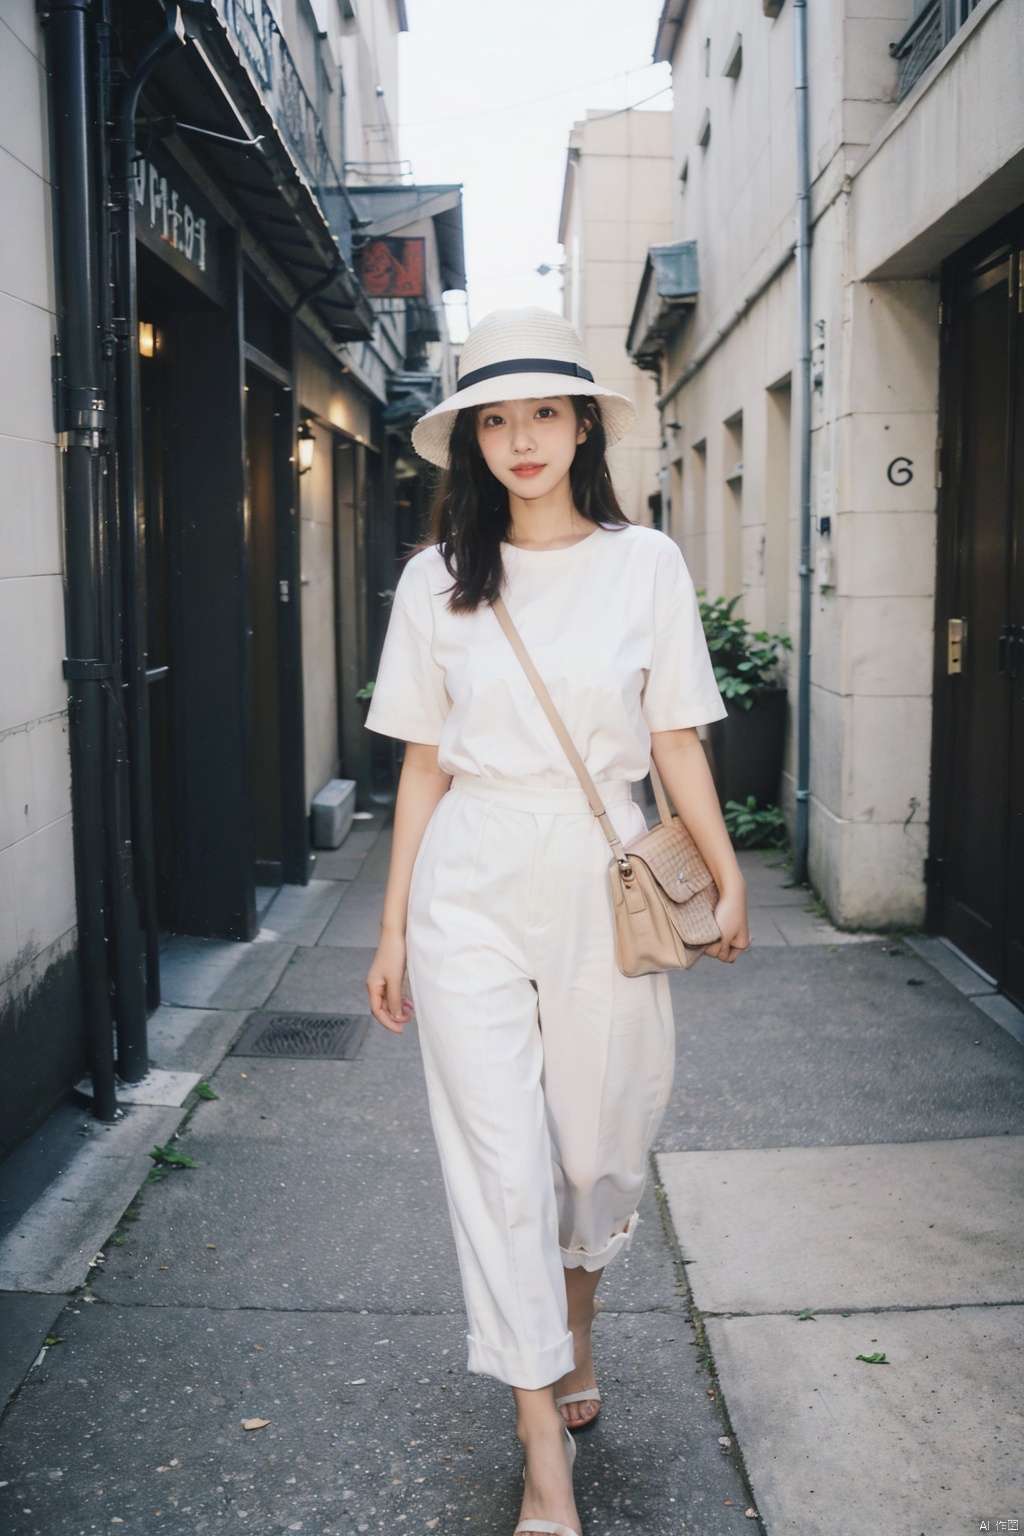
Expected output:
(680, 760)
(420, 788)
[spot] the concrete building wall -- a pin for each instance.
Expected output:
(617, 202)
(895, 190)
(367, 51)
(37, 897)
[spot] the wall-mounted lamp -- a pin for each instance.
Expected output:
(306, 447)
(147, 339)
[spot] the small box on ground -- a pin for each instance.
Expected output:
(333, 809)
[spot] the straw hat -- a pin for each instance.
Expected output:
(519, 354)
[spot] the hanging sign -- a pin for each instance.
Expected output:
(391, 268)
(174, 219)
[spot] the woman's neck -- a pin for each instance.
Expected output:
(548, 522)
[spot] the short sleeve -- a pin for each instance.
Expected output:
(681, 690)
(409, 700)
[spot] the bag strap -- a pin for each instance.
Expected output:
(547, 704)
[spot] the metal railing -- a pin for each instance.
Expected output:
(929, 32)
(264, 49)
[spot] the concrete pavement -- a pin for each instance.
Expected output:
(830, 1102)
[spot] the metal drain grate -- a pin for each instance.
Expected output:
(309, 1036)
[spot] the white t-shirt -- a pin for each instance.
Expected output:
(598, 618)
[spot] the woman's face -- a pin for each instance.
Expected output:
(529, 445)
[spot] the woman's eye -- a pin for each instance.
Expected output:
(545, 411)
(492, 421)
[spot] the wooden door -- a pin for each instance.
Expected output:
(977, 842)
(265, 595)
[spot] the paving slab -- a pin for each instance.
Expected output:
(373, 1427)
(317, 1186)
(1005, 1014)
(50, 1249)
(26, 1322)
(916, 1224)
(769, 883)
(329, 978)
(356, 921)
(865, 1043)
(378, 860)
(963, 976)
(215, 973)
(170, 1089)
(930, 1443)
(192, 1039)
(300, 913)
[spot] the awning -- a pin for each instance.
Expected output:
(670, 285)
(388, 210)
(293, 201)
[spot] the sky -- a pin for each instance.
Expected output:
(488, 94)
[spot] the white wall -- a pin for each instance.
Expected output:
(872, 632)
(37, 907)
(617, 203)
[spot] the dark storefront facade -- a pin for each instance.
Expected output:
(230, 478)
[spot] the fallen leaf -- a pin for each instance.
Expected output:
(211, 1245)
(360, 1381)
(751, 1514)
(724, 1440)
(876, 1358)
(255, 1423)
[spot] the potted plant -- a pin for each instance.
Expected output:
(747, 747)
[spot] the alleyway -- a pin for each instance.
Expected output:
(302, 1273)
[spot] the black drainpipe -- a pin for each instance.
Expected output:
(125, 328)
(81, 423)
(801, 839)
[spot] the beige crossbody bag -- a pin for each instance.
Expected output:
(663, 895)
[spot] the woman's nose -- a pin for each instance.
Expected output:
(522, 438)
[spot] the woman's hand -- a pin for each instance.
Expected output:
(384, 984)
(731, 917)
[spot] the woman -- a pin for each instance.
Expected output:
(547, 1069)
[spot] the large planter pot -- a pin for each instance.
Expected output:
(747, 749)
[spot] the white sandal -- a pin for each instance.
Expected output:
(591, 1395)
(550, 1527)
(545, 1525)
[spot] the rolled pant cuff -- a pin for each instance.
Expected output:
(579, 1258)
(538, 1369)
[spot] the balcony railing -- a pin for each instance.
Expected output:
(264, 49)
(929, 32)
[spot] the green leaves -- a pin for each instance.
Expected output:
(167, 1157)
(744, 659)
(753, 826)
(806, 1316)
(204, 1091)
(877, 1358)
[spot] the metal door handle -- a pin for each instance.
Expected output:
(1016, 651)
(1003, 649)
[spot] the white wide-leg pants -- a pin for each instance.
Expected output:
(547, 1070)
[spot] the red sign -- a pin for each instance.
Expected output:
(394, 269)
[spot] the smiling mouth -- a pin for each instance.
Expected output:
(527, 469)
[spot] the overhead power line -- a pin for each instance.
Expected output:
(529, 101)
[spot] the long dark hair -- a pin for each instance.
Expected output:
(469, 511)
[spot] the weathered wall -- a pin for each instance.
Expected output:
(38, 990)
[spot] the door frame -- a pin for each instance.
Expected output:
(1003, 239)
(295, 841)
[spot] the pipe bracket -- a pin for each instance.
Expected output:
(82, 670)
